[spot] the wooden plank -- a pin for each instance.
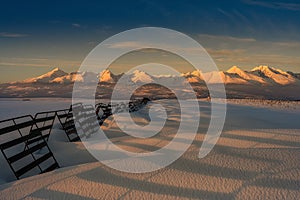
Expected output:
(19, 140)
(70, 115)
(32, 165)
(41, 129)
(62, 115)
(43, 119)
(69, 125)
(42, 138)
(25, 153)
(16, 127)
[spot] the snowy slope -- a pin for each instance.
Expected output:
(226, 78)
(276, 75)
(193, 77)
(140, 76)
(48, 77)
(106, 76)
(250, 76)
(69, 78)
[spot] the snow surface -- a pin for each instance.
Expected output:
(48, 77)
(13, 107)
(257, 157)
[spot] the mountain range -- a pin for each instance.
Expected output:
(261, 82)
(261, 75)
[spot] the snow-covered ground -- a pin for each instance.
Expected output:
(292, 106)
(256, 157)
(14, 107)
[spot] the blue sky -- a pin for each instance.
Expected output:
(36, 36)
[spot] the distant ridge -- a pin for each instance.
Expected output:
(48, 77)
(260, 75)
(262, 82)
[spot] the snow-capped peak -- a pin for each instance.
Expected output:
(55, 69)
(47, 77)
(55, 72)
(106, 76)
(69, 78)
(235, 70)
(196, 73)
(276, 75)
(265, 69)
(249, 76)
(140, 76)
(193, 77)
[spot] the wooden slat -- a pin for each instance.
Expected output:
(63, 110)
(62, 115)
(46, 127)
(43, 119)
(69, 123)
(41, 129)
(19, 140)
(42, 138)
(27, 152)
(69, 120)
(70, 127)
(32, 165)
(16, 118)
(70, 115)
(16, 127)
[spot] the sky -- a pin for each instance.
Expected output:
(36, 36)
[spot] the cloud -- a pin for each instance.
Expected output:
(126, 45)
(229, 50)
(268, 59)
(293, 44)
(23, 64)
(225, 52)
(76, 25)
(274, 5)
(229, 42)
(36, 62)
(23, 59)
(226, 38)
(12, 35)
(174, 48)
